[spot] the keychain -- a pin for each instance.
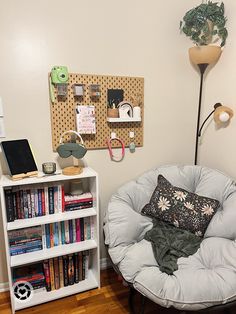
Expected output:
(131, 144)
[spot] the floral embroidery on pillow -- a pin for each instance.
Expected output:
(183, 209)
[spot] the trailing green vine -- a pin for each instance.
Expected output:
(205, 24)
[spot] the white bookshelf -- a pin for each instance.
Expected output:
(93, 278)
(43, 296)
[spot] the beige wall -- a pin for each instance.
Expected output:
(131, 38)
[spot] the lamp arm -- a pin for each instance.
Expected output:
(200, 130)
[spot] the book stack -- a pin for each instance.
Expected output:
(33, 274)
(68, 231)
(75, 202)
(26, 202)
(25, 240)
(66, 270)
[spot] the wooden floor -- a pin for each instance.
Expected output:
(111, 298)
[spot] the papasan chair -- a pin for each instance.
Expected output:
(200, 198)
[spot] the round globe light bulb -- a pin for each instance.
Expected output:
(224, 116)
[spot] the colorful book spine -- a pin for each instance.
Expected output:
(67, 236)
(70, 231)
(70, 269)
(80, 197)
(48, 238)
(9, 205)
(46, 199)
(85, 264)
(56, 272)
(78, 206)
(82, 229)
(44, 242)
(36, 203)
(51, 199)
(59, 197)
(32, 201)
(77, 226)
(47, 275)
(51, 270)
(92, 227)
(51, 235)
(18, 205)
(40, 208)
(80, 266)
(43, 202)
(61, 271)
(87, 229)
(76, 267)
(55, 198)
(14, 203)
(25, 202)
(63, 240)
(62, 198)
(55, 234)
(59, 233)
(29, 203)
(65, 270)
(74, 230)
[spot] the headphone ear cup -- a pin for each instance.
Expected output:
(64, 150)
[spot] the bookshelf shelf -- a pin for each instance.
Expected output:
(47, 219)
(44, 296)
(55, 251)
(87, 249)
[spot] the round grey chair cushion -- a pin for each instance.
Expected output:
(204, 279)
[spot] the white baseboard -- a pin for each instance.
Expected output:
(104, 264)
(4, 286)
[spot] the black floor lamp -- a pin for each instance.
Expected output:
(202, 56)
(202, 68)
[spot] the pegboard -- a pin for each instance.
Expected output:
(63, 117)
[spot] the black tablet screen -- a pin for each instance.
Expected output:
(19, 156)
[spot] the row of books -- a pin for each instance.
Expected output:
(25, 240)
(68, 231)
(26, 202)
(33, 274)
(32, 239)
(75, 202)
(66, 270)
(54, 273)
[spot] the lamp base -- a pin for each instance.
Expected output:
(73, 170)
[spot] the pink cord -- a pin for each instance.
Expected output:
(113, 157)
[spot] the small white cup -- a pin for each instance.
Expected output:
(136, 112)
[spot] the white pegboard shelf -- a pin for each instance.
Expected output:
(117, 120)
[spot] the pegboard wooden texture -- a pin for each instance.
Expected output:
(63, 111)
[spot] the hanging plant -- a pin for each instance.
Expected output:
(205, 24)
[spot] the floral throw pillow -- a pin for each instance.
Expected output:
(181, 208)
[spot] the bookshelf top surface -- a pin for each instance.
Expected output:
(41, 178)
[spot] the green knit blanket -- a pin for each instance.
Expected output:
(169, 243)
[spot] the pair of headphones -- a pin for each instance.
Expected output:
(77, 150)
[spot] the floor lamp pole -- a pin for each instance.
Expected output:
(202, 68)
